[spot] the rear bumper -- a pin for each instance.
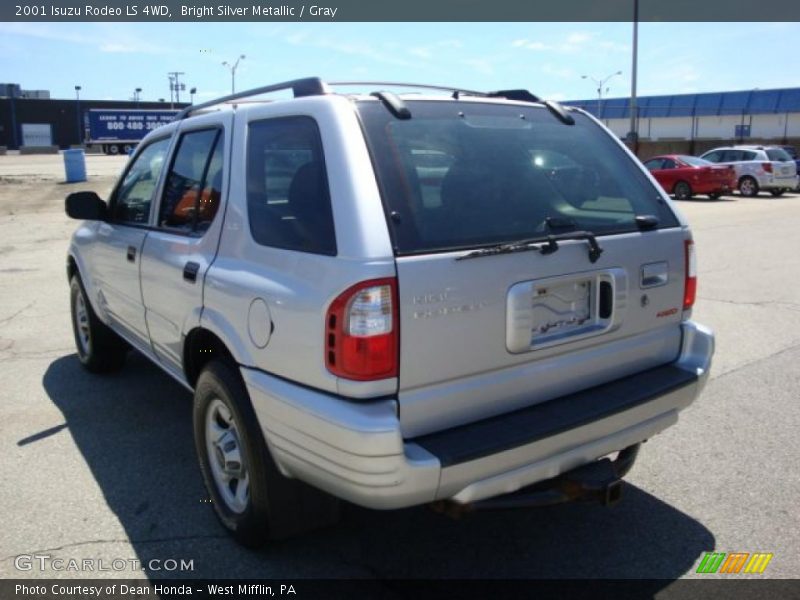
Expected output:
(777, 182)
(355, 450)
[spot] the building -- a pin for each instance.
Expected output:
(694, 123)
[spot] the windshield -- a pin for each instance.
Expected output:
(694, 161)
(464, 174)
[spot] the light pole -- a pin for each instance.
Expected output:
(633, 135)
(192, 92)
(600, 83)
(136, 93)
(232, 67)
(78, 111)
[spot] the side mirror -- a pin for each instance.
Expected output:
(86, 206)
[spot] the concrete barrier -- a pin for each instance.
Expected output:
(38, 150)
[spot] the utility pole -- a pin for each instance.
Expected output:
(175, 85)
(78, 111)
(633, 134)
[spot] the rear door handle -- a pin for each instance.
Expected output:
(190, 271)
(131, 253)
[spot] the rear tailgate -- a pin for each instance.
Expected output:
(484, 334)
(487, 335)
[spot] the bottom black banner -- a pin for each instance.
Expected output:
(302, 589)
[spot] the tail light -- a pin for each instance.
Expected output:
(767, 167)
(690, 280)
(362, 331)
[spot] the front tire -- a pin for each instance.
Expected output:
(748, 187)
(100, 350)
(777, 193)
(250, 496)
(715, 195)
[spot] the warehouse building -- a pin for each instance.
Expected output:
(31, 118)
(694, 123)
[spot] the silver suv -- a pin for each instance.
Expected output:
(394, 299)
(758, 168)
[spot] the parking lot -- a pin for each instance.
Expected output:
(104, 467)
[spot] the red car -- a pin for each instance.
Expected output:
(684, 176)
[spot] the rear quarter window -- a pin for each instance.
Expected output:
(288, 200)
(459, 175)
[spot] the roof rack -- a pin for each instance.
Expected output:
(309, 86)
(314, 86)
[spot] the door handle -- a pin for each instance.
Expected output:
(131, 253)
(190, 271)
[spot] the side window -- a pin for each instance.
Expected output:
(131, 204)
(193, 188)
(288, 201)
(669, 164)
(749, 155)
(654, 164)
(732, 156)
(715, 156)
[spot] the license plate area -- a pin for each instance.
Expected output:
(546, 312)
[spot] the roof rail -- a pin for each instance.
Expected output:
(309, 86)
(421, 86)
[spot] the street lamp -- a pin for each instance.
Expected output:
(600, 83)
(232, 67)
(78, 111)
(136, 93)
(192, 92)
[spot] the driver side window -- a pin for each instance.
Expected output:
(135, 194)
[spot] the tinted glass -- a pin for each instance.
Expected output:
(732, 156)
(791, 151)
(497, 173)
(778, 154)
(287, 187)
(654, 164)
(749, 155)
(134, 196)
(715, 156)
(193, 188)
(669, 164)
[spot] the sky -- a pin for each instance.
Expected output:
(110, 60)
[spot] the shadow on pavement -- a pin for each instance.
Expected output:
(134, 431)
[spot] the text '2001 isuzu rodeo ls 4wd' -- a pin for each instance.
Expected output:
(394, 299)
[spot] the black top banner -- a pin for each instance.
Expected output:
(400, 11)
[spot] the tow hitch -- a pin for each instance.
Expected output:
(598, 481)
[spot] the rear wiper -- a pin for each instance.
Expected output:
(544, 244)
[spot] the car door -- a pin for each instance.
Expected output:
(183, 243)
(669, 174)
(116, 252)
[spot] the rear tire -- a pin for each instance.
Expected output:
(777, 193)
(715, 195)
(748, 187)
(682, 191)
(100, 350)
(250, 496)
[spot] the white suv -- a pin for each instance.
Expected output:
(758, 168)
(394, 299)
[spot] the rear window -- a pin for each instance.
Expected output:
(778, 154)
(694, 161)
(460, 175)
